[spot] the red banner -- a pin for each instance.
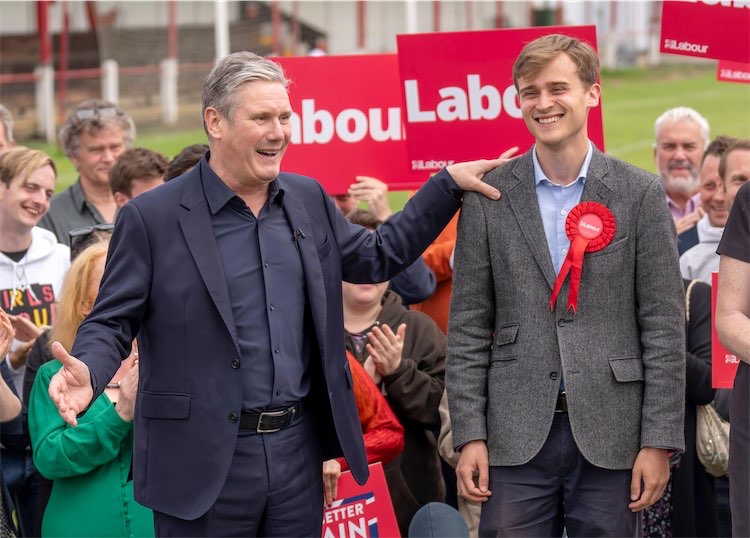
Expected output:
(723, 363)
(347, 121)
(733, 71)
(459, 99)
(715, 29)
(361, 511)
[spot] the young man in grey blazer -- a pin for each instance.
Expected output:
(565, 416)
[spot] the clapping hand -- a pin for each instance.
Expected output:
(385, 348)
(26, 330)
(689, 220)
(7, 334)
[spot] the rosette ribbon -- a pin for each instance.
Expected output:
(590, 226)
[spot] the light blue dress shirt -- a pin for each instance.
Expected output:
(555, 202)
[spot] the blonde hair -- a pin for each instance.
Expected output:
(538, 53)
(20, 160)
(74, 295)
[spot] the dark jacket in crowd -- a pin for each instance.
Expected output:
(413, 392)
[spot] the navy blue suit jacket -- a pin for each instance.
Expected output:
(163, 282)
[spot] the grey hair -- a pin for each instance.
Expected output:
(70, 133)
(232, 72)
(6, 118)
(682, 113)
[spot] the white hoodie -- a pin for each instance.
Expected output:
(701, 260)
(32, 286)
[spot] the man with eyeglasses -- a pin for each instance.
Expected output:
(95, 134)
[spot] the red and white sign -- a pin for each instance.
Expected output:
(347, 121)
(715, 29)
(733, 71)
(459, 99)
(361, 511)
(723, 363)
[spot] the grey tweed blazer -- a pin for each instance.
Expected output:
(622, 355)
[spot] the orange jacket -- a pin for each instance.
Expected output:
(436, 257)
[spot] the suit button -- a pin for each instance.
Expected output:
(233, 417)
(562, 321)
(553, 375)
(235, 364)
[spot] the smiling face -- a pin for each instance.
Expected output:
(679, 148)
(23, 203)
(713, 195)
(246, 149)
(555, 104)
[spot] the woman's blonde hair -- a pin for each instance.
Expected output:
(74, 298)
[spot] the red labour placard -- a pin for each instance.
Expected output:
(723, 363)
(459, 99)
(707, 29)
(361, 511)
(347, 121)
(733, 71)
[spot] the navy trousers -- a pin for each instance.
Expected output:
(274, 488)
(558, 489)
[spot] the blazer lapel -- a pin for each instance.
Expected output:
(521, 195)
(199, 235)
(596, 188)
(302, 229)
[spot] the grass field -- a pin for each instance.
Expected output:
(631, 101)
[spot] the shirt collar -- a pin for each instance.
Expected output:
(539, 173)
(691, 205)
(218, 194)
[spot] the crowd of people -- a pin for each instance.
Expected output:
(201, 346)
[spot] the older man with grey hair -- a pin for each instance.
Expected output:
(95, 134)
(6, 129)
(231, 275)
(680, 136)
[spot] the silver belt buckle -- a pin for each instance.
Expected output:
(259, 428)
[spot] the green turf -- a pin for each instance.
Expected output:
(631, 99)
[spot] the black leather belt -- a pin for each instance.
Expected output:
(271, 421)
(562, 403)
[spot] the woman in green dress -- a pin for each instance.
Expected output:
(89, 465)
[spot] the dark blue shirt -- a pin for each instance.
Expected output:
(266, 285)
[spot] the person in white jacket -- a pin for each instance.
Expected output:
(701, 260)
(32, 267)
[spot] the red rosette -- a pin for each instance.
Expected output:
(590, 226)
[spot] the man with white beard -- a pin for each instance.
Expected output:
(682, 135)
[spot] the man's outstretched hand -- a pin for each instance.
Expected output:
(70, 388)
(468, 175)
